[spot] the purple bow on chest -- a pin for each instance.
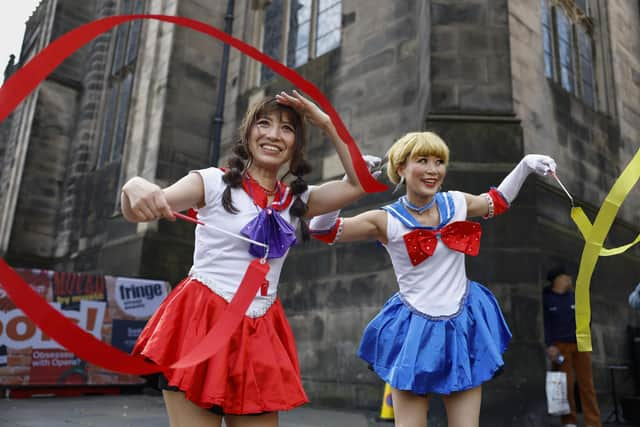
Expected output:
(271, 229)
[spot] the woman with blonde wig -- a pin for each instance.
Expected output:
(441, 333)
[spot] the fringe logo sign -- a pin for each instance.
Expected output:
(139, 297)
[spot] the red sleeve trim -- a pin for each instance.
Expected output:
(500, 203)
(327, 236)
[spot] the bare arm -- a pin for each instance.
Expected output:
(332, 195)
(477, 205)
(370, 225)
(145, 201)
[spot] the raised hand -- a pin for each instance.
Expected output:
(306, 108)
(373, 162)
(540, 164)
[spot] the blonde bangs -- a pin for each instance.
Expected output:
(412, 146)
(429, 144)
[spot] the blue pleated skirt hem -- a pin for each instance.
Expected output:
(412, 351)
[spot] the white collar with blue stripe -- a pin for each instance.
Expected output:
(445, 204)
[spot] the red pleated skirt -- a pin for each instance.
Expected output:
(257, 371)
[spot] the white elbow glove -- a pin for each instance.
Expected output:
(538, 163)
(372, 162)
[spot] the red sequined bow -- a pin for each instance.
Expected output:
(461, 236)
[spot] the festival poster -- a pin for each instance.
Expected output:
(112, 309)
(17, 332)
(139, 298)
(71, 288)
(57, 366)
(3, 355)
(125, 333)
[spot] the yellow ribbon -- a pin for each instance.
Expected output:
(594, 236)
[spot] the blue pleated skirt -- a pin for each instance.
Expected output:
(412, 351)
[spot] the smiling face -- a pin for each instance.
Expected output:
(423, 175)
(273, 135)
(272, 140)
(421, 158)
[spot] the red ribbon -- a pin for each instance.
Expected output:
(53, 323)
(89, 348)
(66, 333)
(27, 78)
(219, 335)
(461, 236)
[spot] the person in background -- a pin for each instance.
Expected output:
(558, 301)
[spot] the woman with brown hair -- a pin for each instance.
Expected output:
(257, 373)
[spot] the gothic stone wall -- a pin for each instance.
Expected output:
(33, 236)
(592, 148)
(406, 67)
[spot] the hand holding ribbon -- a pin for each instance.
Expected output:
(90, 349)
(594, 236)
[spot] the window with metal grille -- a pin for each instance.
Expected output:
(547, 43)
(565, 49)
(568, 46)
(120, 84)
(296, 31)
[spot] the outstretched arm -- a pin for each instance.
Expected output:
(333, 194)
(496, 201)
(145, 201)
(370, 225)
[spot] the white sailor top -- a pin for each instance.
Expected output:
(429, 261)
(220, 260)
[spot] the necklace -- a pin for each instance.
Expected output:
(419, 209)
(268, 192)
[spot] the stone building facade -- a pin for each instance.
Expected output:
(496, 78)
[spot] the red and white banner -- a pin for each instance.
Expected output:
(112, 309)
